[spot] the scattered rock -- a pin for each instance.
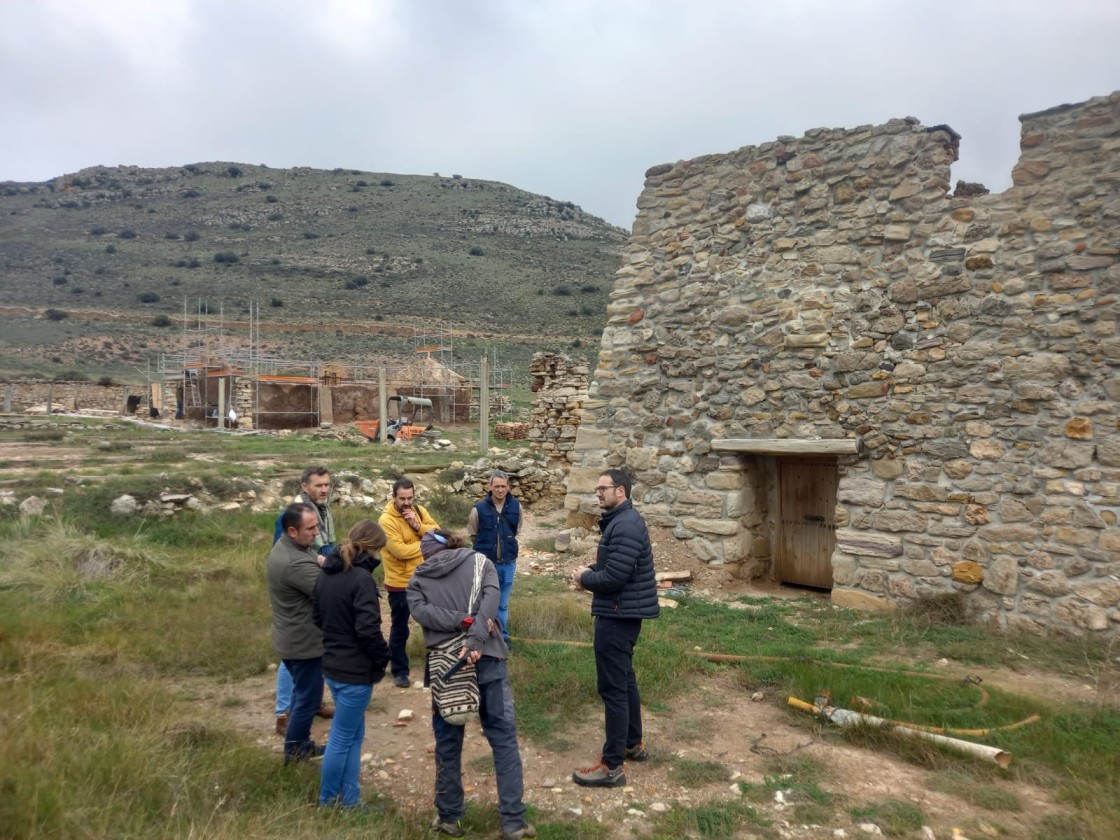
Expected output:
(32, 506)
(125, 505)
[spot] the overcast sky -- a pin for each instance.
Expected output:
(571, 98)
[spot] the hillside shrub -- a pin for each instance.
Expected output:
(310, 234)
(275, 217)
(589, 289)
(110, 248)
(148, 297)
(227, 257)
(477, 252)
(560, 290)
(276, 302)
(171, 235)
(271, 199)
(191, 236)
(234, 171)
(161, 321)
(386, 182)
(105, 381)
(127, 233)
(56, 314)
(59, 281)
(98, 230)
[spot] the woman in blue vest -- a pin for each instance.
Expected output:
(492, 527)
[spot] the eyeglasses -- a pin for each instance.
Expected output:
(606, 488)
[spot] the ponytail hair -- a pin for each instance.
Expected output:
(366, 536)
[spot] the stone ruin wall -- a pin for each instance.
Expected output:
(830, 286)
(560, 384)
(28, 395)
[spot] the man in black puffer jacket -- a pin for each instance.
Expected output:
(625, 592)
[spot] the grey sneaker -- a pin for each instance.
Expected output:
(451, 829)
(637, 753)
(402, 681)
(600, 776)
(525, 831)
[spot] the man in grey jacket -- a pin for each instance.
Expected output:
(293, 568)
(439, 596)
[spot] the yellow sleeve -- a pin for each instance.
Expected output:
(397, 542)
(426, 521)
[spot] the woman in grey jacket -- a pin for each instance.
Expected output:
(438, 598)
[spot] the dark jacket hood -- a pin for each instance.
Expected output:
(334, 563)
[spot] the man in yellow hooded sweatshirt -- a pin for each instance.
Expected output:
(404, 523)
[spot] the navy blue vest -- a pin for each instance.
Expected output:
(491, 528)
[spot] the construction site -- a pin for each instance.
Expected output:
(226, 379)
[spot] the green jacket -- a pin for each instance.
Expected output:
(292, 572)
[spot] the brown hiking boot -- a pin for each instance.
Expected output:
(282, 724)
(326, 711)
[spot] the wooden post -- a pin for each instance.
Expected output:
(50, 398)
(221, 402)
(382, 406)
(484, 405)
(8, 398)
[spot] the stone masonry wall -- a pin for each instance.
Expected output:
(830, 287)
(561, 388)
(70, 396)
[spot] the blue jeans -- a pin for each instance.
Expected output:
(339, 781)
(505, 581)
(398, 633)
(496, 715)
(307, 697)
(614, 666)
(283, 689)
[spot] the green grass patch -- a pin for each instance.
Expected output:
(691, 773)
(893, 816)
(713, 821)
(958, 782)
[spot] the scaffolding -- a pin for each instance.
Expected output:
(287, 393)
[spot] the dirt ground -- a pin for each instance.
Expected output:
(719, 722)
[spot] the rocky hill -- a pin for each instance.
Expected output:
(98, 269)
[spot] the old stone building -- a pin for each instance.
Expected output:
(823, 364)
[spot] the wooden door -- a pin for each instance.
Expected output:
(807, 520)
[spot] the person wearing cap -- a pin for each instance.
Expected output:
(492, 526)
(439, 596)
(404, 523)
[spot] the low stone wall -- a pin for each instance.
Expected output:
(32, 395)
